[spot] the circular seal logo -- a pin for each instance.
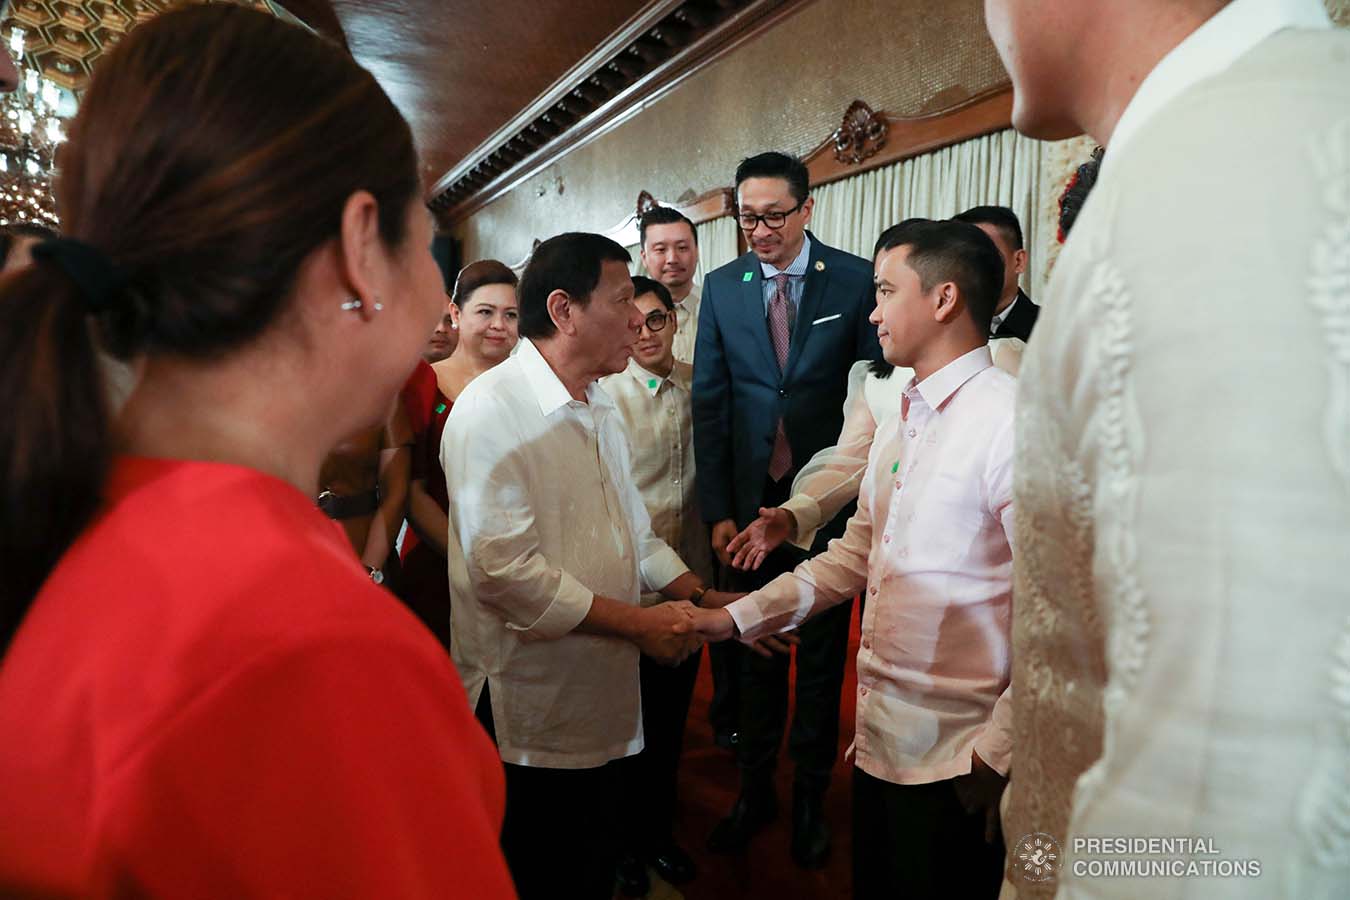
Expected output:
(1037, 856)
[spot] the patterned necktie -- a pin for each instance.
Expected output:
(780, 333)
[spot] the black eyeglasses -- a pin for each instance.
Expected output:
(657, 321)
(774, 220)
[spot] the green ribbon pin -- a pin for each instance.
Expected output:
(440, 408)
(749, 276)
(651, 383)
(895, 467)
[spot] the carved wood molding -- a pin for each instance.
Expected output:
(868, 140)
(645, 202)
(860, 135)
(639, 64)
(519, 267)
(703, 208)
(903, 137)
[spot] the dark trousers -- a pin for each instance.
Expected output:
(916, 841)
(725, 660)
(651, 776)
(814, 738)
(561, 836)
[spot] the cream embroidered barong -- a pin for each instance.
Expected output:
(1181, 635)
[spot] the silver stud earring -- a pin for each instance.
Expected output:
(351, 304)
(378, 305)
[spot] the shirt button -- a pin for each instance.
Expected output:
(897, 485)
(867, 645)
(873, 590)
(862, 692)
(886, 539)
(912, 432)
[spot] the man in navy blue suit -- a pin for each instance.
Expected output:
(778, 330)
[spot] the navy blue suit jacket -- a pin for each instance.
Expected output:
(738, 392)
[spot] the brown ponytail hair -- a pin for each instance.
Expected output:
(214, 151)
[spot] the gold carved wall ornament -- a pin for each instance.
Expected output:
(861, 134)
(645, 201)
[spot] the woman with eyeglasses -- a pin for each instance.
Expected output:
(201, 692)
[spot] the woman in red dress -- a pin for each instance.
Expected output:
(483, 311)
(202, 694)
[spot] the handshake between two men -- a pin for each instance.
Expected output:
(672, 631)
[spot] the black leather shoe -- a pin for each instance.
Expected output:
(753, 810)
(810, 834)
(673, 864)
(632, 877)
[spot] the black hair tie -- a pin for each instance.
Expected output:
(98, 280)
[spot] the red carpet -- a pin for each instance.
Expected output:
(708, 788)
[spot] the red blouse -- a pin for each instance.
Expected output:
(425, 580)
(210, 699)
(427, 409)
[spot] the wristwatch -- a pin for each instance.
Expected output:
(696, 597)
(375, 574)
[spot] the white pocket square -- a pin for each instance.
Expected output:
(827, 318)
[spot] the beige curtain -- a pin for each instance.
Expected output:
(716, 245)
(1003, 168)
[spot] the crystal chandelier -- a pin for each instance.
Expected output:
(31, 129)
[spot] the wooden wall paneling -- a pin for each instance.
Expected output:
(458, 69)
(472, 184)
(867, 140)
(712, 205)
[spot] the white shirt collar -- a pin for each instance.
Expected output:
(1231, 33)
(937, 388)
(1000, 318)
(548, 388)
(797, 267)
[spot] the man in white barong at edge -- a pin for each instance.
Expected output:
(1181, 636)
